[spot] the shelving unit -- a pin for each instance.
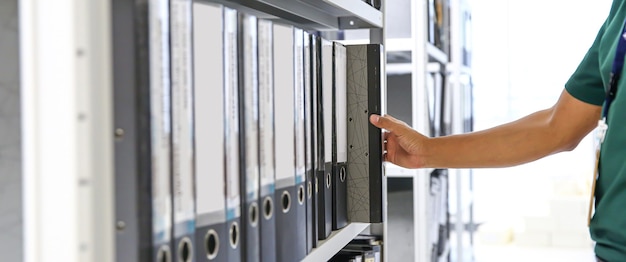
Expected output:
(80, 120)
(411, 59)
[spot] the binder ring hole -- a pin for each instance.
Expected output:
(234, 235)
(366, 111)
(254, 214)
(301, 195)
(286, 200)
(328, 180)
(184, 250)
(164, 255)
(342, 174)
(268, 208)
(309, 189)
(350, 119)
(212, 244)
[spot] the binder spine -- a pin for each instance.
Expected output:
(340, 137)
(365, 93)
(315, 155)
(309, 155)
(266, 142)
(249, 120)
(160, 121)
(231, 105)
(182, 130)
(211, 241)
(300, 146)
(285, 195)
(325, 208)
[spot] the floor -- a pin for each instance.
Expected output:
(513, 253)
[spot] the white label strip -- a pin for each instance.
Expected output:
(266, 104)
(327, 94)
(341, 115)
(160, 119)
(251, 92)
(284, 104)
(232, 113)
(208, 74)
(182, 109)
(299, 104)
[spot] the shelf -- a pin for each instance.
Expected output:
(326, 249)
(435, 54)
(399, 44)
(314, 14)
(407, 68)
(395, 171)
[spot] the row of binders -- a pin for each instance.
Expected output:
(252, 139)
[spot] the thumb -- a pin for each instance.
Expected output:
(387, 122)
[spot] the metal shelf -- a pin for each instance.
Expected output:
(313, 14)
(338, 239)
(435, 54)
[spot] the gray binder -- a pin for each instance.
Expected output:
(309, 154)
(266, 141)
(300, 126)
(231, 105)
(339, 138)
(211, 238)
(325, 207)
(316, 154)
(285, 121)
(249, 135)
(182, 131)
(143, 137)
(365, 96)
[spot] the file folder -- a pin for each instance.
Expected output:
(182, 130)
(211, 239)
(365, 96)
(300, 176)
(266, 140)
(231, 106)
(284, 108)
(316, 154)
(249, 135)
(339, 138)
(143, 134)
(326, 93)
(309, 153)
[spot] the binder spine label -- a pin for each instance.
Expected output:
(341, 114)
(251, 100)
(284, 107)
(182, 109)
(209, 101)
(327, 96)
(307, 103)
(266, 107)
(160, 119)
(231, 105)
(299, 105)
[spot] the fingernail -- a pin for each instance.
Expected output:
(375, 118)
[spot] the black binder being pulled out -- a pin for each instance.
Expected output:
(365, 96)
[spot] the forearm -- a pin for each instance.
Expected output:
(518, 142)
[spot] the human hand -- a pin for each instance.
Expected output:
(404, 146)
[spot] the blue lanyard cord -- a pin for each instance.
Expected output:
(618, 65)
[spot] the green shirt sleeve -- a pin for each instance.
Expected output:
(586, 84)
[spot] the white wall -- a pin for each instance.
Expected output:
(524, 52)
(10, 151)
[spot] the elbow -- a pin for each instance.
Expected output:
(570, 145)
